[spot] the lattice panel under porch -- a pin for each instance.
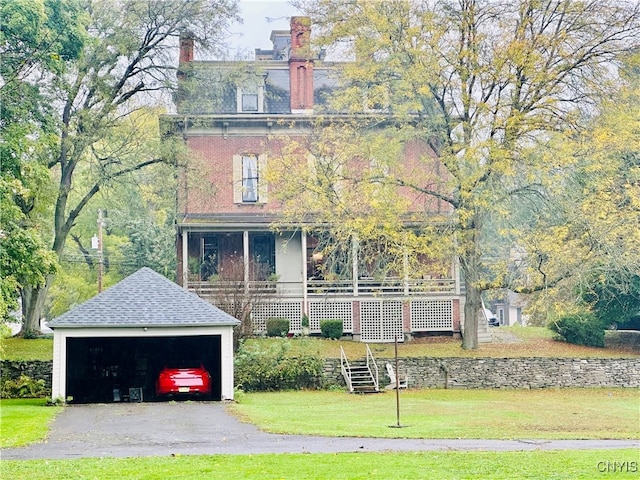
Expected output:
(329, 311)
(431, 315)
(290, 310)
(381, 321)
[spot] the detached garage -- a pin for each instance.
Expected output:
(112, 347)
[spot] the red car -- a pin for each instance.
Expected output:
(187, 378)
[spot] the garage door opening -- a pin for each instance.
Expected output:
(112, 369)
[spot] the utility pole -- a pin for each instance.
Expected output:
(100, 259)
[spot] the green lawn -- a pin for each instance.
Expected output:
(564, 465)
(17, 348)
(24, 421)
(536, 342)
(590, 411)
(498, 414)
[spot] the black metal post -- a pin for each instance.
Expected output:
(397, 384)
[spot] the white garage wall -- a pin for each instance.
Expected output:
(60, 335)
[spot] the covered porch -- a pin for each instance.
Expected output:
(282, 276)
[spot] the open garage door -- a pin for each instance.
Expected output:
(108, 369)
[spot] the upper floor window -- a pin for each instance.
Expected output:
(248, 178)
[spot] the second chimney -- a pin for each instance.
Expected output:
(301, 66)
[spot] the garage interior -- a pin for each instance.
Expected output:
(121, 369)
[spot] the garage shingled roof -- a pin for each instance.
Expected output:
(145, 299)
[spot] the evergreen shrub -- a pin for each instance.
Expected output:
(265, 369)
(331, 328)
(277, 327)
(580, 329)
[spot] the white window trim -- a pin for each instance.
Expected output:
(237, 179)
(260, 92)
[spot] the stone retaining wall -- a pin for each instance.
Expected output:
(429, 372)
(36, 369)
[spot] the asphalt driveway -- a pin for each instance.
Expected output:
(190, 428)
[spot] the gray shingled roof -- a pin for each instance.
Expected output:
(144, 298)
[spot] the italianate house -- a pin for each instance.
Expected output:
(231, 116)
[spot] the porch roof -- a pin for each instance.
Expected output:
(228, 221)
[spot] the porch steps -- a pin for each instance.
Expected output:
(484, 335)
(362, 380)
(361, 376)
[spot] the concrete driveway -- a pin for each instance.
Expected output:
(190, 428)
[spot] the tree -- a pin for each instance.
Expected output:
(486, 84)
(126, 60)
(602, 207)
(37, 39)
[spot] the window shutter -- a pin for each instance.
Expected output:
(262, 182)
(237, 179)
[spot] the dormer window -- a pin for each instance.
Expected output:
(250, 99)
(249, 102)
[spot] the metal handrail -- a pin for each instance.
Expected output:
(375, 365)
(345, 368)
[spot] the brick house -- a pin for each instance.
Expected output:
(231, 115)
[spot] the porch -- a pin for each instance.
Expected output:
(277, 280)
(372, 312)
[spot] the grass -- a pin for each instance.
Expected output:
(534, 414)
(567, 465)
(24, 421)
(536, 342)
(493, 414)
(18, 348)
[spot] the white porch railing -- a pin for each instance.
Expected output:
(323, 288)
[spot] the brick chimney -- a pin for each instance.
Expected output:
(301, 66)
(186, 51)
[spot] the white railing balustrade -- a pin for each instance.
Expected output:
(316, 288)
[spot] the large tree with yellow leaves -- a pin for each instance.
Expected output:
(489, 86)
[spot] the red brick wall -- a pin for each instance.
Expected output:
(211, 174)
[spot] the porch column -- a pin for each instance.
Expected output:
(303, 244)
(185, 259)
(245, 257)
(354, 264)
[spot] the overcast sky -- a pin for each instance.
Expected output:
(260, 18)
